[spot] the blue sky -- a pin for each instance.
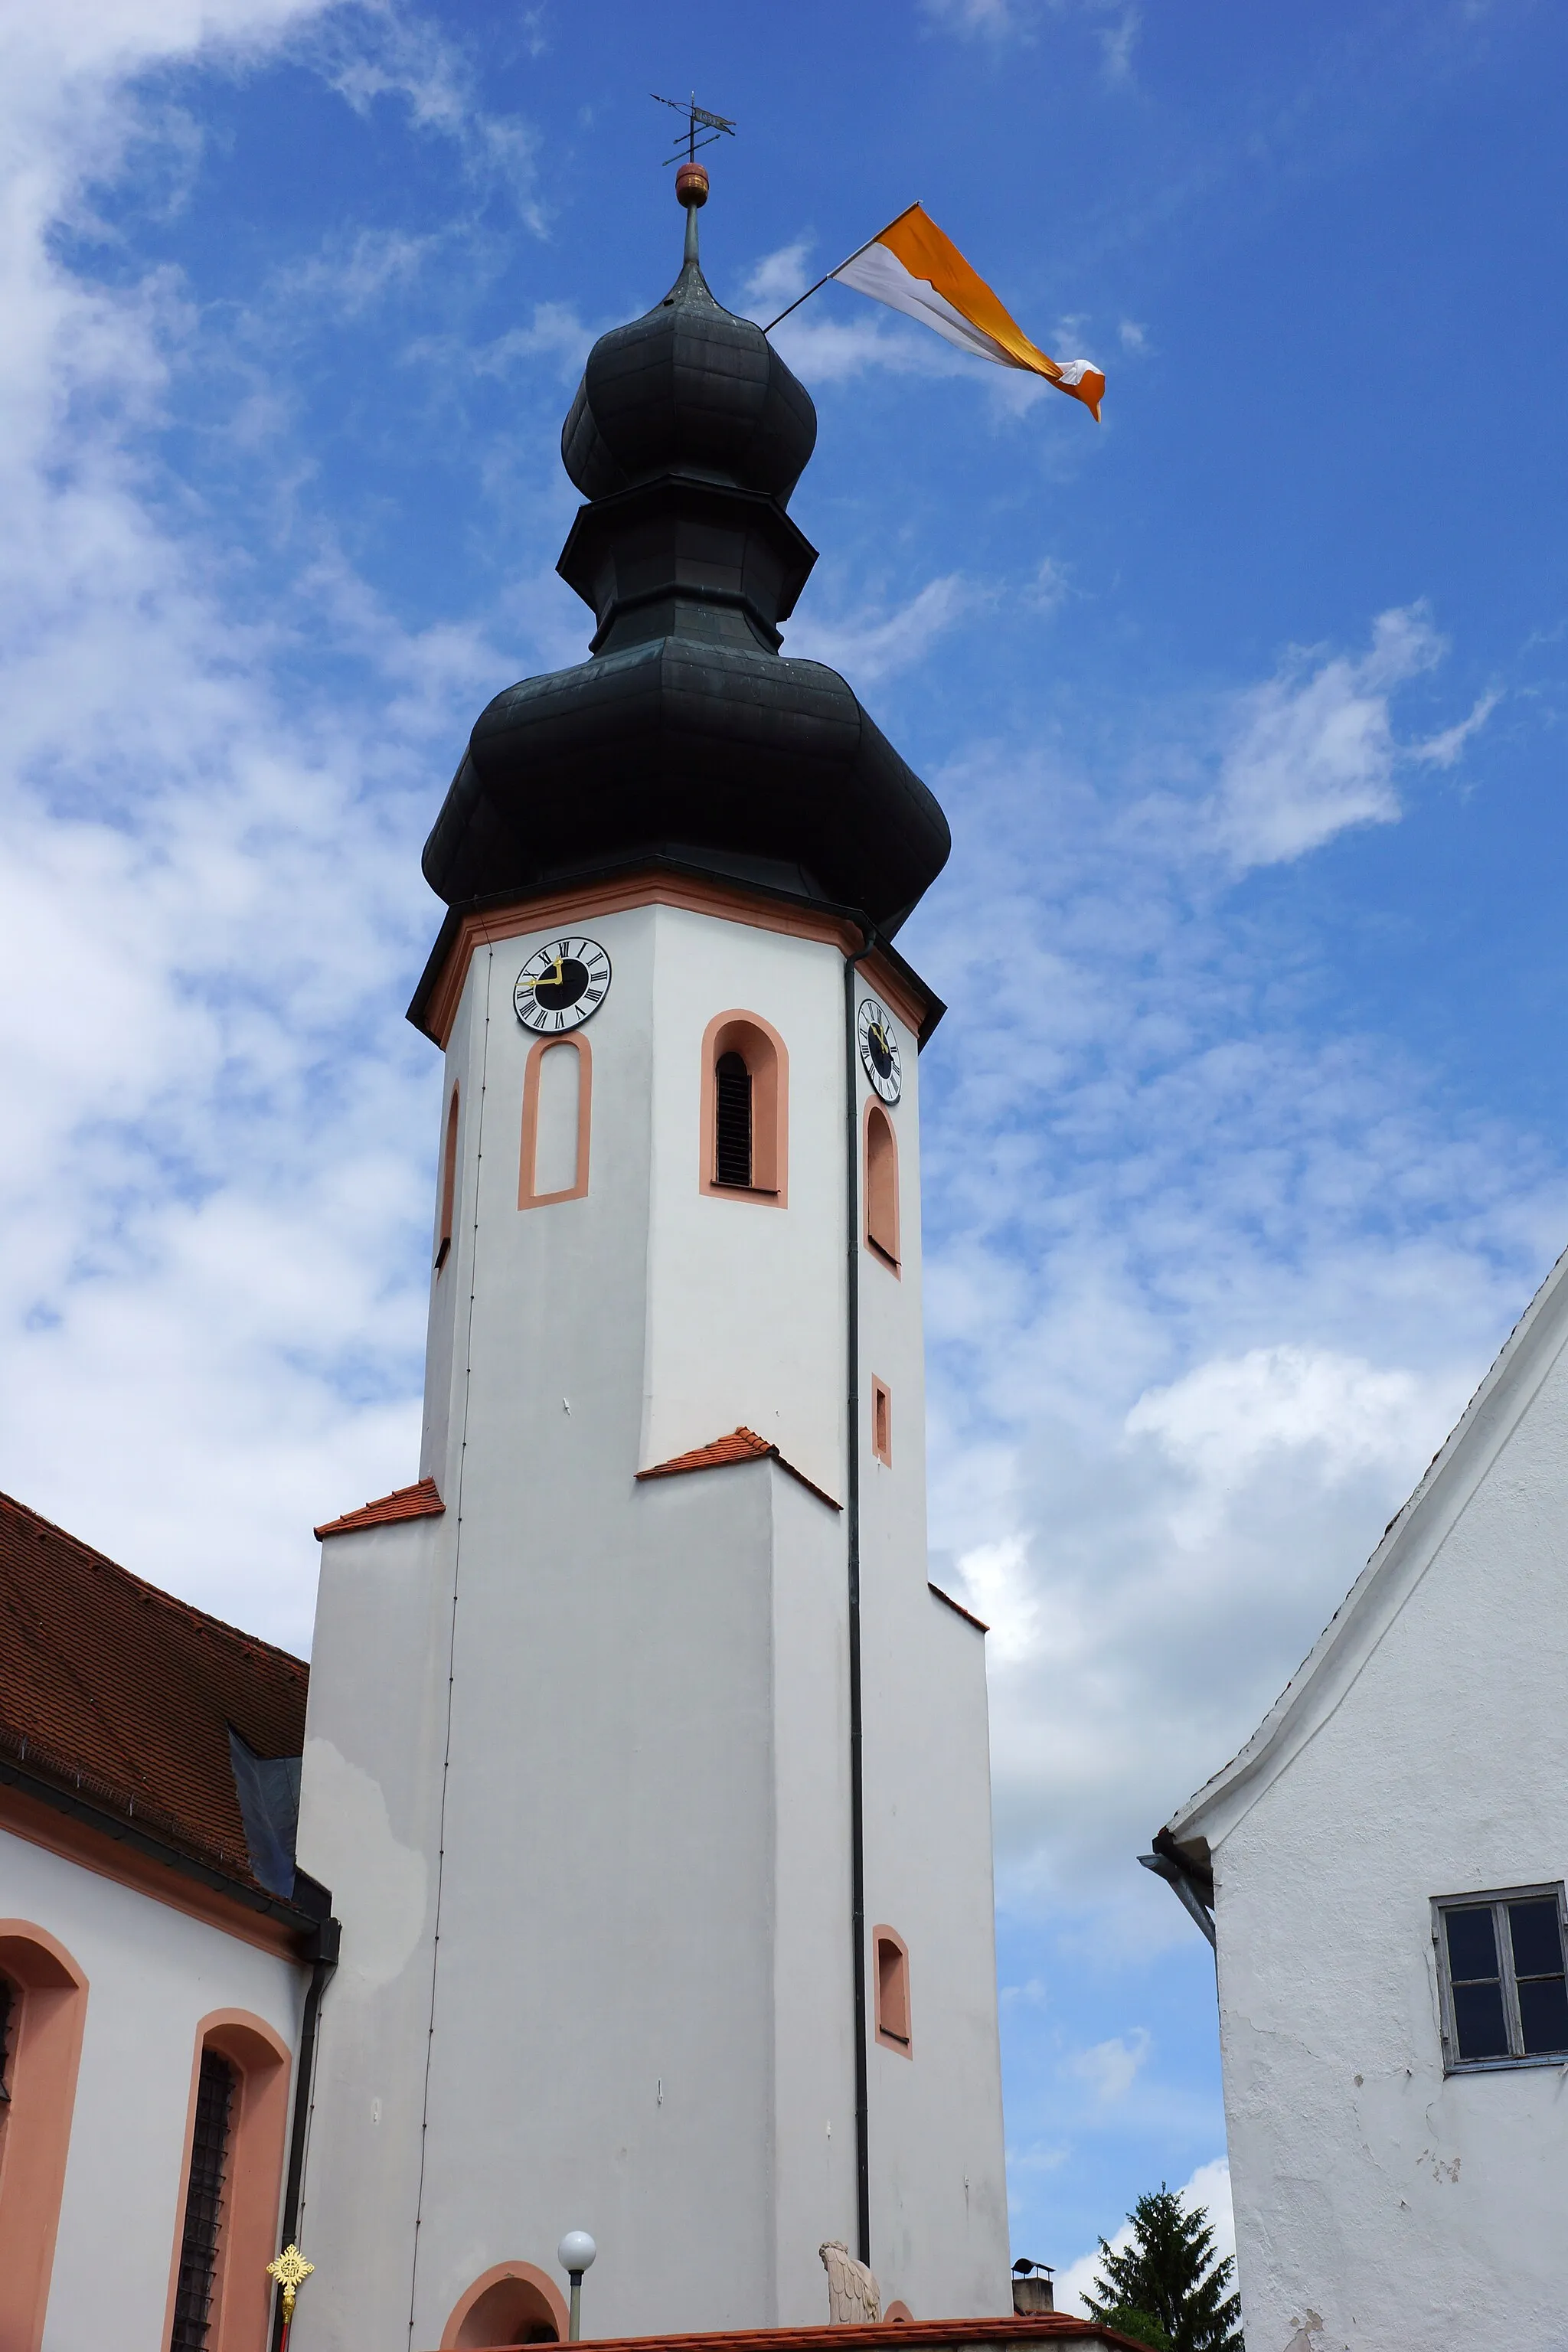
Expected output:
(1246, 1130)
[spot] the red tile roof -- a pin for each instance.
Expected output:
(416, 1502)
(109, 1688)
(1014, 2334)
(740, 1445)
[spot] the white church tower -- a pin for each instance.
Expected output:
(647, 1770)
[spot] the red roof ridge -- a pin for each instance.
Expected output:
(958, 1608)
(743, 1444)
(91, 1556)
(420, 1501)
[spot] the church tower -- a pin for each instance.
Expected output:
(647, 1769)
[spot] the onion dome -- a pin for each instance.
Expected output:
(687, 738)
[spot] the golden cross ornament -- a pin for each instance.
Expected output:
(290, 2270)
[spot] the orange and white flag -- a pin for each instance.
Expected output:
(914, 268)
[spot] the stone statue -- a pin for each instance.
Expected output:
(852, 2295)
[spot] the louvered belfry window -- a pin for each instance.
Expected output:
(204, 2204)
(731, 1120)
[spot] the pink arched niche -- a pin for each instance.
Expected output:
(253, 2179)
(449, 1186)
(897, 2311)
(766, 1057)
(529, 1196)
(515, 2303)
(48, 2012)
(880, 1184)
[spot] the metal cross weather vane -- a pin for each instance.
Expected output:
(697, 117)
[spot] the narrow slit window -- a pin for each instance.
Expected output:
(882, 1422)
(449, 1186)
(9, 2005)
(202, 2232)
(731, 1120)
(893, 1991)
(881, 1186)
(1504, 1986)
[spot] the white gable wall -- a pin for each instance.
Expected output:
(1400, 2207)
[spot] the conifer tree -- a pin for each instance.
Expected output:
(1167, 2289)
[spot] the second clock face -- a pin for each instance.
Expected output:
(880, 1049)
(561, 985)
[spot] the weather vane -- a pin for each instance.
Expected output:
(697, 117)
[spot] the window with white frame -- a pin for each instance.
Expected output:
(1500, 1968)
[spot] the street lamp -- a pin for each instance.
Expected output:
(575, 2254)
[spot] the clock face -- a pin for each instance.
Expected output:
(561, 985)
(880, 1049)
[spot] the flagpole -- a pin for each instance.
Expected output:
(849, 257)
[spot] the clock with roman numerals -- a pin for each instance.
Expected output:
(561, 985)
(880, 1049)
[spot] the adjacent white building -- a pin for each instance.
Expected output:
(1385, 1862)
(160, 1957)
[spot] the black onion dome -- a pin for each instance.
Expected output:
(689, 388)
(687, 736)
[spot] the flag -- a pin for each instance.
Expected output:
(913, 268)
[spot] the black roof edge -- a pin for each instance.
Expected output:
(311, 1919)
(653, 863)
(1200, 1872)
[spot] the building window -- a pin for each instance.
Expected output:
(204, 2204)
(44, 1994)
(219, 2293)
(892, 1989)
(731, 1120)
(880, 1186)
(745, 1110)
(557, 1106)
(882, 1422)
(1500, 1970)
(449, 1186)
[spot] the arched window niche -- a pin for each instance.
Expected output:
(893, 2027)
(449, 1186)
(45, 1997)
(880, 1185)
(745, 1110)
(557, 1103)
(226, 2222)
(515, 2303)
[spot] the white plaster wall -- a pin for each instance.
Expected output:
(1401, 2209)
(370, 1804)
(745, 1300)
(642, 2018)
(153, 1974)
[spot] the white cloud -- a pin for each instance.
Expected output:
(1207, 1284)
(987, 19)
(1134, 338)
(875, 645)
(1209, 2186)
(1117, 43)
(779, 278)
(1313, 751)
(1110, 2068)
(210, 912)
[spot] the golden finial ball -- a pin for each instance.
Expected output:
(691, 184)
